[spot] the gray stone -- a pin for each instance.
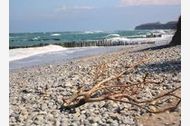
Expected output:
(114, 116)
(95, 124)
(128, 120)
(12, 119)
(44, 106)
(50, 104)
(109, 120)
(114, 123)
(50, 117)
(91, 120)
(87, 123)
(97, 119)
(55, 114)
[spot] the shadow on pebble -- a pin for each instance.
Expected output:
(162, 67)
(154, 48)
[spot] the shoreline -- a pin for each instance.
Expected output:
(21, 53)
(75, 54)
(24, 57)
(67, 55)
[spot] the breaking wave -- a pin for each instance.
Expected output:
(20, 53)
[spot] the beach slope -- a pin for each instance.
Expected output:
(36, 93)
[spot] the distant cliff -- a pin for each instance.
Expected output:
(157, 25)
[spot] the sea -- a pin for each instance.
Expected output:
(39, 48)
(17, 40)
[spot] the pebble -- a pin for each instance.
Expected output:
(44, 107)
(113, 116)
(50, 117)
(38, 120)
(95, 124)
(114, 123)
(50, 105)
(62, 82)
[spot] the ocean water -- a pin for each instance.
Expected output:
(52, 53)
(35, 39)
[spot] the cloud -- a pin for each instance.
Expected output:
(149, 2)
(74, 8)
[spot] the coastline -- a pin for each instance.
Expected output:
(81, 39)
(62, 56)
(62, 80)
(49, 54)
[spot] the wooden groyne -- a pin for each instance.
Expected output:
(101, 43)
(88, 43)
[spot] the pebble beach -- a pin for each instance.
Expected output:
(28, 106)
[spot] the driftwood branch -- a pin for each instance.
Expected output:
(120, 92)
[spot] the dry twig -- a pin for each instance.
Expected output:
(119, 92)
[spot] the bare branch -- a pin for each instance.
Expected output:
(111, 88)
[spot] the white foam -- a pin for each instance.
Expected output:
(117, 39)
(98, 31)
(88, 32)
(20, 53)
(56, 34)
(36, 38)
(113, 35)
(158, 40)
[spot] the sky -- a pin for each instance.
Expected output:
(88, 15)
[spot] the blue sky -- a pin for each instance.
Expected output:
(88, 15)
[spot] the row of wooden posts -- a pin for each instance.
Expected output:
(102, 43)
(88, 43)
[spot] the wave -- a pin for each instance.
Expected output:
(55, 34)
(92, 32)
(20, 53)
(98, 31)
(88, 32)
(112, 35)
(36, 38)
(137, 36)
(117, 39)
(164, 39)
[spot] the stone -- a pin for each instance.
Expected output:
(50, 104)
(12, 119)
(128, 121)
(50, 117)
(91, 120)
(95, 124)
(113, 116)
(55, 114)
(87, 123)
(114, 123)
(97, 119)
(44, 107)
